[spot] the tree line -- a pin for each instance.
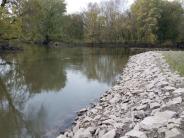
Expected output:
(145, 21)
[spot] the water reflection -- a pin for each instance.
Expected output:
(43, 88)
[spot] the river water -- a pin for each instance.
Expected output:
(42, 89)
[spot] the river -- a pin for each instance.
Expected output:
(41, 91)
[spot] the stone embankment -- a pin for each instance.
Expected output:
(146, 102)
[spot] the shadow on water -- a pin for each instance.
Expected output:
(43, 88)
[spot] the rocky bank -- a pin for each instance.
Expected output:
(146, 102)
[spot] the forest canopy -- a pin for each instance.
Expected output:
(145, 21)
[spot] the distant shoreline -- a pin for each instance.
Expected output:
(14, 46)
(118, 45)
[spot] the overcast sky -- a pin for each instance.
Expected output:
(78, 5)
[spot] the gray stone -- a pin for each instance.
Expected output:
(179, 91)
(139, 114)
(101, 132)
(87, 119)
(110, 134)
(83, 133)
(158, 120)
(82, 111)
(174, 101)
(163, 84)
(174, 133)
(143, 84)
(61, 136)
(145, 101)
(169, 88)
(108, 122)
(136, 134)
(154, 105)
(141, 107)
(124, 106)
(124, 137)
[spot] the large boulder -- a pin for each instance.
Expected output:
(158, 120)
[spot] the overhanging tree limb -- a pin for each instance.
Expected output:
(3, 3)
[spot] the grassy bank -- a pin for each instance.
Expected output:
(176, 60)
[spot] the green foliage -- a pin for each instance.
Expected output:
(92, 23)
(170, 22)
(43, 19)
(73, 28)
(146, 14)
(10, 24)
(150, 21)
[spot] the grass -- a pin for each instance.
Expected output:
(176, 60)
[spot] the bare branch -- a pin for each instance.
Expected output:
(3, 3)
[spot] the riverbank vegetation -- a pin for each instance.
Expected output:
(112, 21)
(175, 60)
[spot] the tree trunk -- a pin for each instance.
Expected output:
(47, 40)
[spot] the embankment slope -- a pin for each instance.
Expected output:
(146, 102)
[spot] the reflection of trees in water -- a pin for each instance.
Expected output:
(39, 69)
(104, 64)
(43, 71)
(11, 122)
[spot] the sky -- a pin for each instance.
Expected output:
(78, 5)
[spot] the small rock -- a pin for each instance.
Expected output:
(142, 107)
(124, 106)
(61, 136)
(83, 133)
(169, 88)
(174, 133)
(82, 111)
(110, 134)
(94, 111)
(118, 125)
(179, 91)
(136, 134)
(145, 101)
(87, 119)
(139, 114)
(167, 94)
(108, 122)
(154, 105)
(100, 132)
(174, 101)
(163, 84)
(124, 137)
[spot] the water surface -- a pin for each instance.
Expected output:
(43, 88)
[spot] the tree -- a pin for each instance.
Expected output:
(104, 22)
(73, 28)
(146, 14)
(170, 22)
(92, 23)
(10, 24)
(113, 20)
(44, 19)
